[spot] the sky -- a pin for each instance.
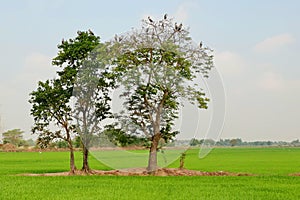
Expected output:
(256, 49)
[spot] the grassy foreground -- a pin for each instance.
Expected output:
(271, 165)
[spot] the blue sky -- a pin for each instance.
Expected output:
(256, 46)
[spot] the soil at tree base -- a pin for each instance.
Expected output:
(144, 172)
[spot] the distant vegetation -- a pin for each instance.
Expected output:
(13, 141)
(239, 142)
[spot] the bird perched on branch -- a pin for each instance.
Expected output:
(201, 44)
(165, 16)
(91, 32)
(150, 20)
(178, 28)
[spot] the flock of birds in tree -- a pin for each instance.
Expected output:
(177, 27)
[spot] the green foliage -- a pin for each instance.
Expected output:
(194, 142)
(51, 101)
(77, 142)
(61, 144)
(73, 52)
(120, 138)
(50, 106)
(14, 137)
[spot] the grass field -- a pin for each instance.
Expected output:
(271, 166)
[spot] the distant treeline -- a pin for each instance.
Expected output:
(238, 142)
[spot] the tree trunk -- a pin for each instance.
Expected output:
(152, 162)
(85, 163)
(72, 161)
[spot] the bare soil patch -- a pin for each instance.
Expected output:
(295, 174)
(143, 172)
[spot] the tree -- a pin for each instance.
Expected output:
(73, 57)
(233, 142)
(14, 137)
(92, 96)
(51, 101)
(120, 138)
(158, 65)
(194, 142)
(51, 109)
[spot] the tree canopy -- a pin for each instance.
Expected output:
(14, 137)
(157, 65)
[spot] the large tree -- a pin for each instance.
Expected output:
(51, 102)
(158, 66)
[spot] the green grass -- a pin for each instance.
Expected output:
(93, 187)
(260, 161)
(35, 162)
(271, 165)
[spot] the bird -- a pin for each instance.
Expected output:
(201, 44)
(176, 26)
(63, 41)
(150, 20)
(91, 32)
(165, 16)
(180, 27)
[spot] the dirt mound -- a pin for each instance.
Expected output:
(295, 174)
(143, 172)
(9, 147)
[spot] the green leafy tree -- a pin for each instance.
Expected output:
(158, 65)
(52, 115)
(51, 101)
(14, 137)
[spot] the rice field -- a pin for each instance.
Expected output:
(271, 168)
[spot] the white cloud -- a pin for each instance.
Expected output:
(183, 10)
(274, 43)
(229, 63)
(271, 81)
